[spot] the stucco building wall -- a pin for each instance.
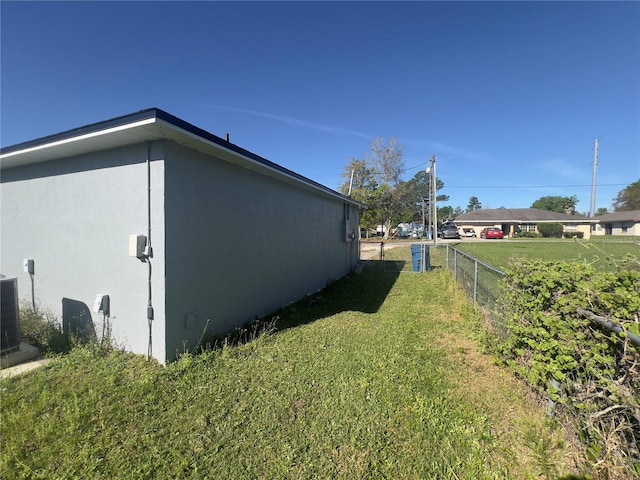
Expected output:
(234, 236)
(241, 243)
(229, 243)
(73, 217)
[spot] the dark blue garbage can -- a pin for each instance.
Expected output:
(420, 253)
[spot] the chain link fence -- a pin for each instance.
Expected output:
(609, 424)
(399, 257)
(482, 282)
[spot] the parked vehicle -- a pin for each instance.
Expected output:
(469, 232)
(491, 232)
(449, 231)
(409, 230)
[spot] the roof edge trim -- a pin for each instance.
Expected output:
(155, 115)
(79, 138)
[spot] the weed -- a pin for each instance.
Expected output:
(544, 444)
(239, 336)
(42, 329)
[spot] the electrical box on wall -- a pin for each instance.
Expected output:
(349, 233)
(137, 246)
(28, 266)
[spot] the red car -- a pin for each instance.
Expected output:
(491, 233)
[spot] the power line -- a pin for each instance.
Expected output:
(535, 186)
(414, 167)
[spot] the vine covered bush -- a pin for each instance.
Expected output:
(592, 374)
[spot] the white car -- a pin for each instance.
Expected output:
(468, 232)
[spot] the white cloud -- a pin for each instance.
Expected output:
(295, 122)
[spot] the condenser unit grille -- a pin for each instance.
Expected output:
(9, 315)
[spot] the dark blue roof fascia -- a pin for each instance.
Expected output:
(76, 132)
(175, 121)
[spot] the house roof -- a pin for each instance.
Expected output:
(630, 216)
(145, 126)
(518, 215)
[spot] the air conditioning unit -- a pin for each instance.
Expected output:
(9, 316)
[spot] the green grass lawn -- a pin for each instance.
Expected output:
(605, 255)
(376, 377)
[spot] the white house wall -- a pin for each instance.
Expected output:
(73, 217)
(241, 245)
(628, 228)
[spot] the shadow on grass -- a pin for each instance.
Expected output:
(364, 292)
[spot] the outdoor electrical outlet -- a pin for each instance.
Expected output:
(101, 304)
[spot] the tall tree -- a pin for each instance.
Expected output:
(387, 158)
(360, 183)
(628, 198)
(376, 182)
(416, 195)
(445, 212)
(474, 204)
(387, 161)
(557, 204)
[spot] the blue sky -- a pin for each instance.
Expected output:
(509, 96)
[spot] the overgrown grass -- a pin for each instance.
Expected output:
(604, 255)
(40, 328)
(377, 377)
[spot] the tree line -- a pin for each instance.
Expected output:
(375, 181)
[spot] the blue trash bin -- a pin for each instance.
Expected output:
(416, 254)
(417, 250)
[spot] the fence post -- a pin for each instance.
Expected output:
(475, 281)
(447, 258)
(455, 264)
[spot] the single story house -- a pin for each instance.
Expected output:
(514, 220)
(618, 223)
(159, 232)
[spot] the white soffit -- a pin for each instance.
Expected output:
(90, 142)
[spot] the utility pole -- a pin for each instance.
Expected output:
(353, 170)
(424, 218)
(433, 201)
(433, 207)
(592, 211)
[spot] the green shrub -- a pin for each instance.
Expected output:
(550, 344)
(551, 230)
(41, 328)
(528, 234)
